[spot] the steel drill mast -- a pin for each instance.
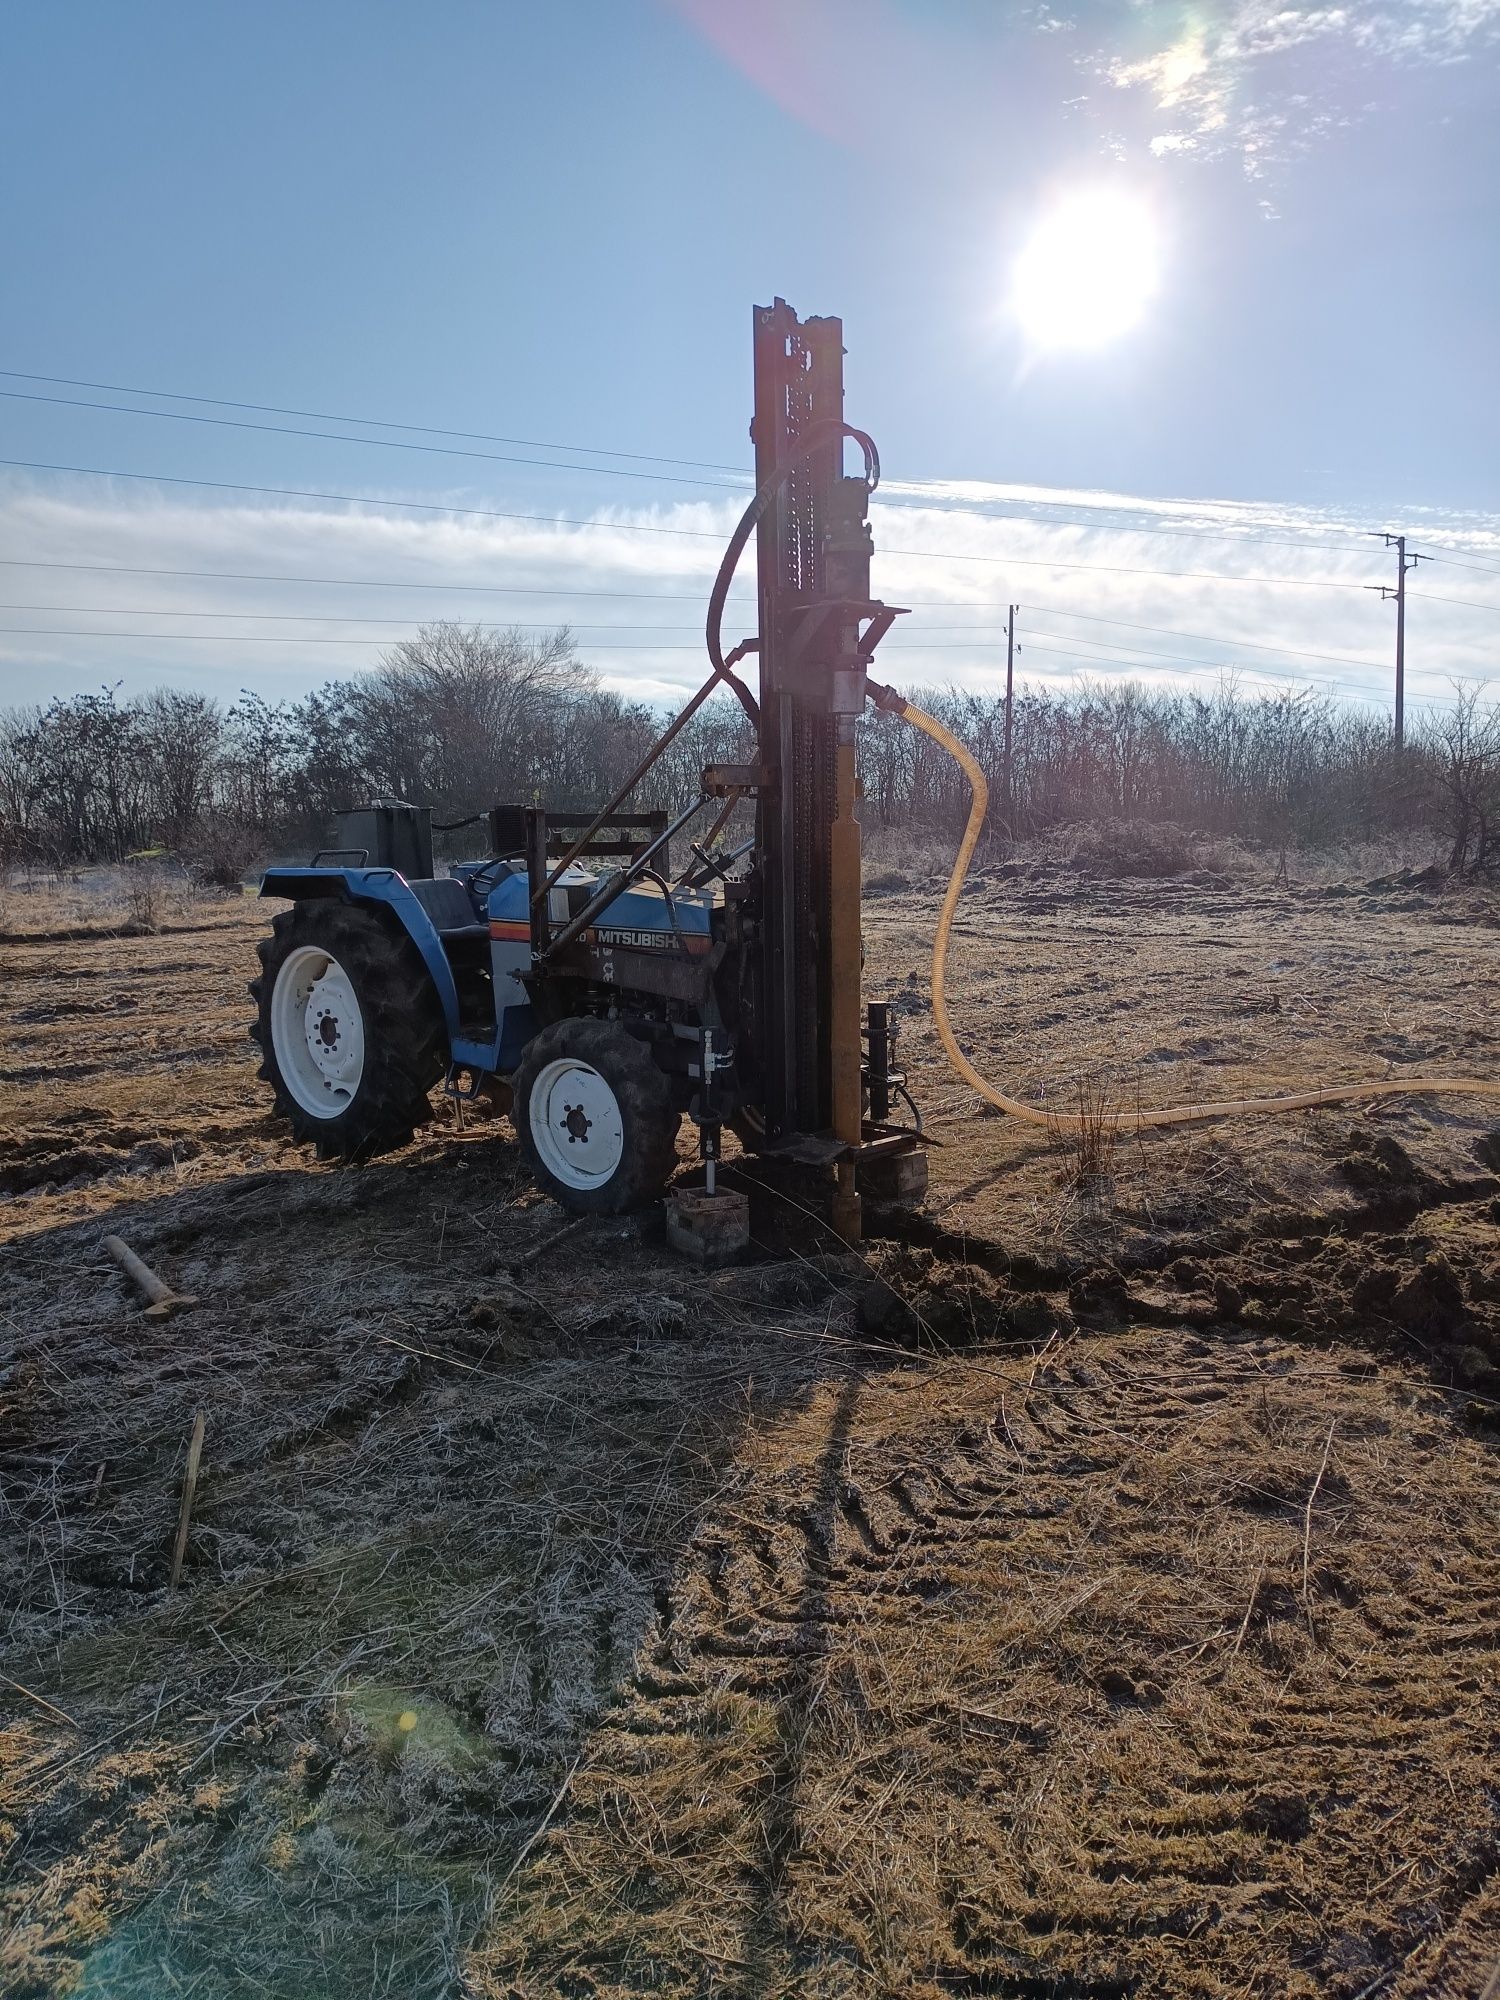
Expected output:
(819, 627)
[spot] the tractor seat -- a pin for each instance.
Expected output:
(449, 908)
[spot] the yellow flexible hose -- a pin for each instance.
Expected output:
(1113, 1115)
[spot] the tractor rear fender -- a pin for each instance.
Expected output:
(376, 888)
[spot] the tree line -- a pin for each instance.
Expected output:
(461, 717)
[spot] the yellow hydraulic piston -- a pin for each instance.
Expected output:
(844, 1004)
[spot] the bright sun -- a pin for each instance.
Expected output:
(1087, 272)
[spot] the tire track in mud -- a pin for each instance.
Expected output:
(1017, 1692)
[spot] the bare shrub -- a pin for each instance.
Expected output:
(221, 851)
(462, 716)
(1224, 855)
(1465, 746)
(1132, 847)
(915, 854)
(144, 889)
(1090, 1170)
(886, 882)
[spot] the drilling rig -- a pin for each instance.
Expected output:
(612, 994)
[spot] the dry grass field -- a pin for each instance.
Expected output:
(1093, 1592)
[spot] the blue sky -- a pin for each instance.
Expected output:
(550, 223)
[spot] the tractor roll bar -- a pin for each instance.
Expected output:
(617, 884)
(747, 702)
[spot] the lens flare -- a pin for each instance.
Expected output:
(1088, 271)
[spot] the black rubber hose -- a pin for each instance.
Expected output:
(816, 440)
(651, 875)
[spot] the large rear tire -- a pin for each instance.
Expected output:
(595, 1117)
(349, 1028)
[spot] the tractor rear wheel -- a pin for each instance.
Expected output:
(595, 1117)
(350, 1032)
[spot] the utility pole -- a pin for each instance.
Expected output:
(1404, 563)
(1010, 702)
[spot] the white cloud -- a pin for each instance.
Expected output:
(1108, 583)
(1218, 86)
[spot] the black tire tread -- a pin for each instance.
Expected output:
(644, 1094)
(405, 1051)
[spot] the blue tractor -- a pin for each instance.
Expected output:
(611, 993)
(383, 979)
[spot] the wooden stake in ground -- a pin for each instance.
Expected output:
(1307, 1514)
(189, 1488)
(164, 1301)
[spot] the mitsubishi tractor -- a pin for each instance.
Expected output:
(601, 970)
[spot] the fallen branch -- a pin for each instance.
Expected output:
(1239, 1637)
(1307, 1511)
(540, 1250)
(530, 1842)
(40, 1700)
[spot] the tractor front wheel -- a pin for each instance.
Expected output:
(350, 1032)
(595, 1117)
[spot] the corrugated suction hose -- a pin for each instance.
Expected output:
(1115, 1115)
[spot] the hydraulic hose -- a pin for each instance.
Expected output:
(817, 439)
(1115, 1115)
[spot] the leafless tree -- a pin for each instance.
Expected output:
(1465, 749)
(450, 715)
(463, 717)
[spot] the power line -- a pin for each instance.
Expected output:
(1124, 666)
(1151, 652)
(989, 510)
(376, 423)
(1366, 698)
(1121, 569)
(915, 641)
(366, 618)
(301, 639)
(593, 451)
(317, 639)
(608, 646)
(362, 582)
(1208, 667)
(1466, 561)
(314, 617)
(1473, 603)
(389, 444)
(679, 597)
(1204, 638)
(651, 528)
(977, 605)
(1285, 678)
(1210, 670)
(1109, 527)
(362, 499)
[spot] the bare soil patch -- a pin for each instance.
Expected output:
(1094, 1592)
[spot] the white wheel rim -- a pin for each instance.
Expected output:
(317, 1032)
(576, 1124)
